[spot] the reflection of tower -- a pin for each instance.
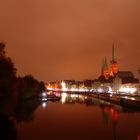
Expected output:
(105, 113)
(114, 64)
(113, 114)
(115, 118)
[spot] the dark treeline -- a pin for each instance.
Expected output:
(18, 96)
(11, 85)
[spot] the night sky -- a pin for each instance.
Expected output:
(67, 39)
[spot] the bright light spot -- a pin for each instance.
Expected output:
(76, 89)
(49, 88)
(81, 90)
(127, 90)
(76, 95)
(44, 104)
(63, 99)
(44, 94)
(100, 90)
(132, 98)
(126, 97)
(72, 95)
(49, 93)
(110, 90)
(91, 90)
(110, 95)
(133, 90)
(64, 86)
(72, 89)
(86, 90)
(57, 94)
(44, 99)
(85, 97)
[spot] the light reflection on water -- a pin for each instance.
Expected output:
(81, 117)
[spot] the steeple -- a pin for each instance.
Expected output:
(105, 63)
(105, 69)
(102, 67)
(113, 53)
(114, 64)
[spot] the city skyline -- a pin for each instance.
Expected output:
(54, 40)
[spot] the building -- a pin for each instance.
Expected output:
(125, 82)
(122, 81)
(109, 72)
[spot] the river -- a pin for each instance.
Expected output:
(79, 117)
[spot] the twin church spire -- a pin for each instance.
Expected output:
(112, 71)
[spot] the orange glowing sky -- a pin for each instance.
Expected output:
(67, 39)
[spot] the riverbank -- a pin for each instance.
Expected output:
(123, 100)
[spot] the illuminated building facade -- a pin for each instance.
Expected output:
(108, 74)
(111, 80)
(120, 81)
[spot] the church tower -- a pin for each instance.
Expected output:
(113, 64)
(105, 69)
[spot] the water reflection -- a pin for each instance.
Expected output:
(24, 110)
(31, 111)
(63, 98)
(109, 111)
(11, 118)
(67, 98)
(44, 104)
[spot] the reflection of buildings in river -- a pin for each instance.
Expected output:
(112, 114)
(85, 99)
(72, 98)
(63, 97)
(109, 111)
(68, 98)
(115, 118)
(105, 114)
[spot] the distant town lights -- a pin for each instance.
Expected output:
(73, 89)
(127, 90)
(63, 84)
(102, 88)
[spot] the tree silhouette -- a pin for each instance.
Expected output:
(13, 89)
(2, 49)
(7, 69)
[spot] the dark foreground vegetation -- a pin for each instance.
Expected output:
(18, 96)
